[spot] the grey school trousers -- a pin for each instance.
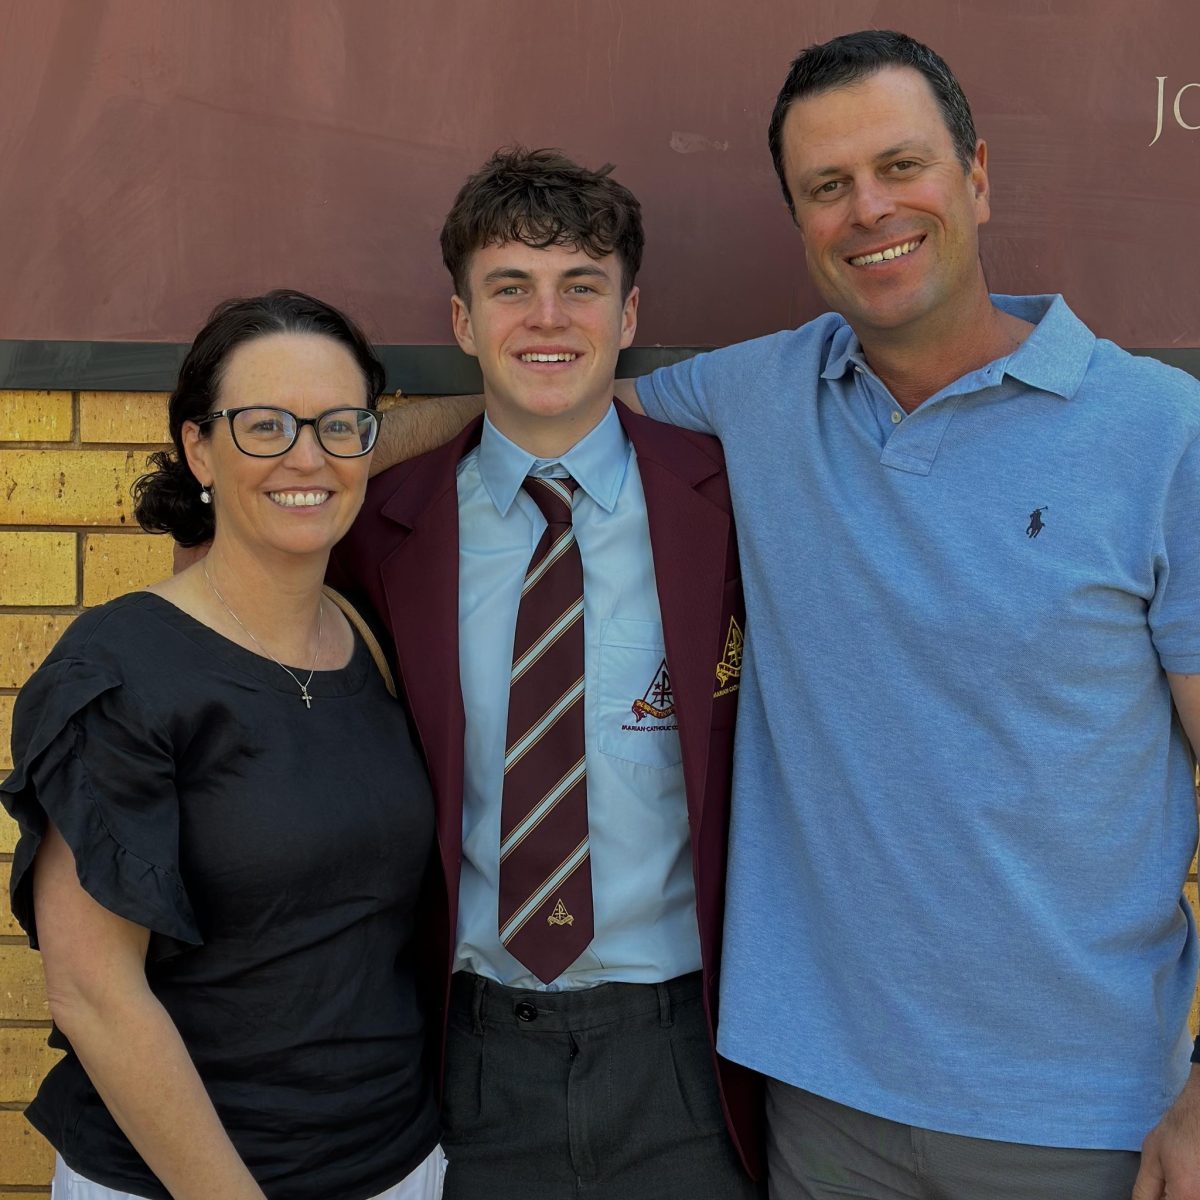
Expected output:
(820, 1150)
(608, 1093)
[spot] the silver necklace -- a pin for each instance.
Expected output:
(304, 692)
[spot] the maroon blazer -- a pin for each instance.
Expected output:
(401, 559)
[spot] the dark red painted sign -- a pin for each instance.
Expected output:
(159, 155)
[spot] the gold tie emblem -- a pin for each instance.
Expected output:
(730, 666)
(560, 916)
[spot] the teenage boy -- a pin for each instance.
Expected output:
(562, 587)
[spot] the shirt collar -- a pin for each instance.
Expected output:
(1053, 358)
(844, 352)
(597, 462)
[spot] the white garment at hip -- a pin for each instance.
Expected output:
(424, 1182)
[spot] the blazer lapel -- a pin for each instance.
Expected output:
(689, 538)
(420, 584)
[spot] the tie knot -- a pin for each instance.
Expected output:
(552, 496)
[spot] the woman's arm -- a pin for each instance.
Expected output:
(131, 1050)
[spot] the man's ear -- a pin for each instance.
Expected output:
(979, 181)
(460, 322)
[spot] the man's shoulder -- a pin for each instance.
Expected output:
(1145, 370)
(1151, 387)
(809, 341)
(1133, 395)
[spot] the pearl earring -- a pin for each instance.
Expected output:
(206, 495)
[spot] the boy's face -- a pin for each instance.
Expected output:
(546, 326)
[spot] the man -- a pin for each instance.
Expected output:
(963, 805)
(561, 584)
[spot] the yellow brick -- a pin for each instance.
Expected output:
(25, 640)
(8, 833)
(22, 988)
(26, 1158)
(1189, 890)
(37, 568)
(68, 487)
(123, 417)
(24, 1060)
(8, 923)
(6, 712)
(115, 563)
(35, 416)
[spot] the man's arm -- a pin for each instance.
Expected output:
(1185, 691)
(1171, 1152)
(420, 425)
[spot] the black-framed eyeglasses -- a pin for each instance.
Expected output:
(269, 432)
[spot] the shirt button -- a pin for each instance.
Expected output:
(897, 418)
(525, 1011)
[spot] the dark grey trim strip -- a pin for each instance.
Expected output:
(152, 366)
(419, 370)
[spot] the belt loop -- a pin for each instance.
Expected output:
(480, 984)
(664, 1005)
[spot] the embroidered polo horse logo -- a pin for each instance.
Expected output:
(1036, 524)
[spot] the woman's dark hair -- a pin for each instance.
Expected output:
(168, 499)
(542, 198)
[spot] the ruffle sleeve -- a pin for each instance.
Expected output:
(89, 758)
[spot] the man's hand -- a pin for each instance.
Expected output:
(1171, 1152)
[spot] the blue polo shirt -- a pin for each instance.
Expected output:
(963, 809)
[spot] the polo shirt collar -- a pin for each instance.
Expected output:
(597, 462)
(844, 353)
(1053, 358)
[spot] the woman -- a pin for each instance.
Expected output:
(224, 822)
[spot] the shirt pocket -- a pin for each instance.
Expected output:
(636, 704)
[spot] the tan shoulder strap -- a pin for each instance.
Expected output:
(364, 632)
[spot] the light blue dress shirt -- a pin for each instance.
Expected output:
(642, 886)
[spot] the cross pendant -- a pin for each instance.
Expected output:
(306, 697)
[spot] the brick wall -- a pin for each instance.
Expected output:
(67, 542)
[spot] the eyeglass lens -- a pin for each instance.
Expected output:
(342, 432)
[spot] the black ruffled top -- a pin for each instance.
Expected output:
(275, 853)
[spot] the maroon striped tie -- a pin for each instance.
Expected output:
(545, 913)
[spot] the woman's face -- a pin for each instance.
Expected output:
(303, 501)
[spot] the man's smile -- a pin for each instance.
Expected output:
(897, 250)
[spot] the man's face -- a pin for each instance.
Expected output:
(546, 326)
(872, 170)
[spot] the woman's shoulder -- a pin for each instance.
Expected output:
(132, 626)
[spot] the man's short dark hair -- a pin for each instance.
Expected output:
(854, 56)
(542, 198)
